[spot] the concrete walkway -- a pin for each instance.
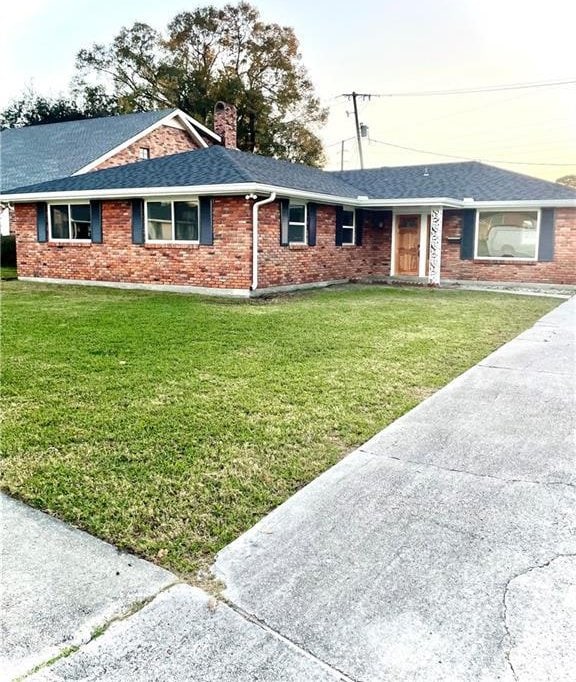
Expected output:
(442, 549)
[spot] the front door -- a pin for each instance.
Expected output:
(407, 245)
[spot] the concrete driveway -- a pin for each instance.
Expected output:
(442, 549)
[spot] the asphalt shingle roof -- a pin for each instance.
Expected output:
(212, 166)
(219, 166)
(455, 180)
(40, 153)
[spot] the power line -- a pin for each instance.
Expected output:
(469, 91)
(467, 158)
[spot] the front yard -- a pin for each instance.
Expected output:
(170, 424)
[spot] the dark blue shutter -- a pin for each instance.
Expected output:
(206, 221)
(96, 221)
(359, 219)
(546, 243)
(137, 221)
(312, 220)
(284, 218)
(387, 219)
(468, 233)
(339, 222)
(42, 221)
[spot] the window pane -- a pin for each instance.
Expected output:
(296, 233)
(186, 220)
(348, 218)
(59, 220)
(80, 221)
(160, 220)
(507, 234)
(347, 235)
(297, 213)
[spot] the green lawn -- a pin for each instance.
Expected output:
(169, 424)
(8, 272)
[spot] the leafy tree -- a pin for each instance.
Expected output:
(212, 54)
(32, 108)
(568, 180)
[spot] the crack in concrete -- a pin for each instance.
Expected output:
(252, 618)
(508, 637)
(464, 471)
(97, 631)
(522, 369)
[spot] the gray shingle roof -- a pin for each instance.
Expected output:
(45, 152)
(455, 180)
(219, 166)
(212, 166)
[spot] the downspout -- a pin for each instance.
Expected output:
(255, 208)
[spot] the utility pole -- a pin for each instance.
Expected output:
(354, 96)
(342, 155)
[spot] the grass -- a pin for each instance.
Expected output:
(8, 272)
(170, 424)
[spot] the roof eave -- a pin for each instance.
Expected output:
(222, 189)
(446, 202)
(524, 203)
(260, 188)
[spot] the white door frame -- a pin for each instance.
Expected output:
(423, 212)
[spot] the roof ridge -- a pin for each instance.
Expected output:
(235, 156)
(230, 155)
(529, 177)
(162, 113)
(409, 165)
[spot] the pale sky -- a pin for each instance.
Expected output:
(371, 46)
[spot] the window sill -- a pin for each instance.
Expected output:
(171, 245)
(297, 247)
(504, 261)
(76, 243)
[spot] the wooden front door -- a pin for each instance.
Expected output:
(407, 244)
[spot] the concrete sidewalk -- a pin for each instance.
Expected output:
(61, 588)
(445, 547)
(442, 549)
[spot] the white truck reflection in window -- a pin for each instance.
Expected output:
(509, 241)
(507, 235)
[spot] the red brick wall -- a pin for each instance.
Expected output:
(226, 264)
(281, 265)
(562, 270)
(162, 141)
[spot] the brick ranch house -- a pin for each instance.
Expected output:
(35, 154)
(222, 221)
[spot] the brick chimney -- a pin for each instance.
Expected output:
(225, 123)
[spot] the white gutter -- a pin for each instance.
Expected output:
(255, 207)
(532, 203)
(257, 188)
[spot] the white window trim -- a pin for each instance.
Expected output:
(511, 259)
(64, 239)
(304, 224)
(353, 226)
(172, 200)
